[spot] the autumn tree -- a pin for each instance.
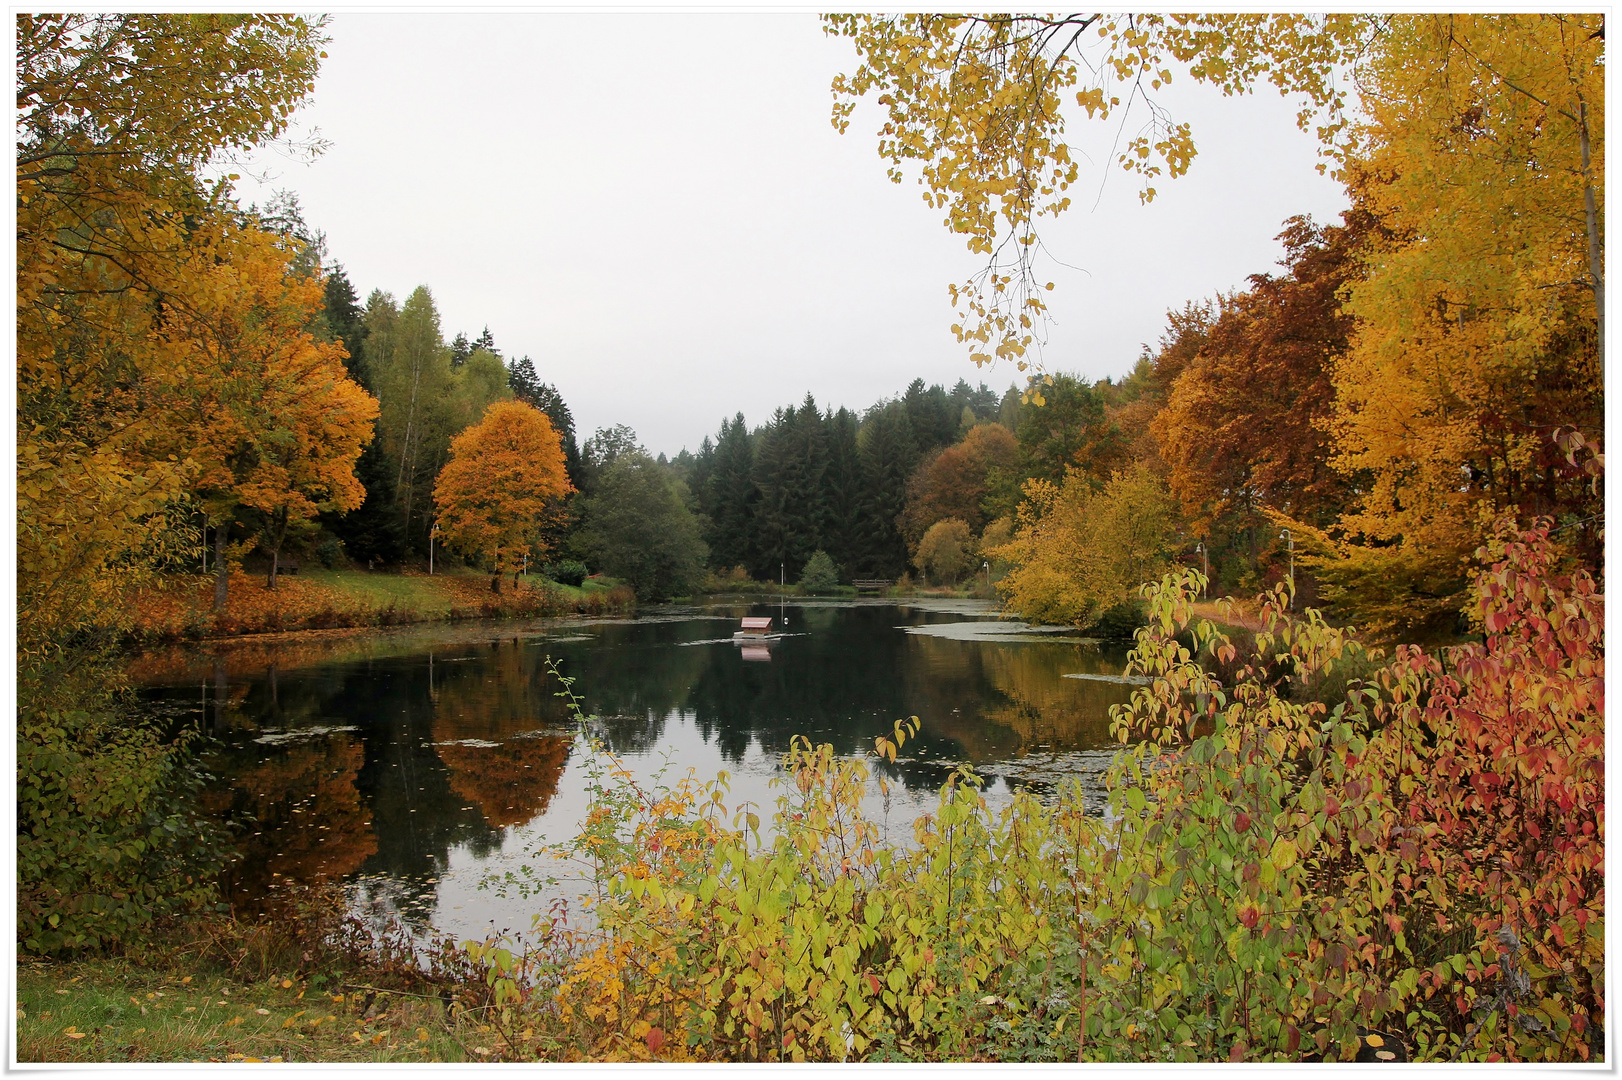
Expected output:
(425, 400)
(1077, 553)
(267, 414)
(1480, 318)
(945, 550)
(505, 478)
(956, 482)
(1244, 426)
(117, 116)
(981, 103)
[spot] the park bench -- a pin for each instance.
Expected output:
(872, 585)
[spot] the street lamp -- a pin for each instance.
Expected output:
(1290, 540)
(1205, 557)
(433, 532)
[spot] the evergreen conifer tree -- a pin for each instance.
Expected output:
(842, 486)
(344, 318)
(888, 456)
(549, 401)
(461, 349)
(773, 516)
(730, 497)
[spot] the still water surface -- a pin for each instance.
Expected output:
(415, 763)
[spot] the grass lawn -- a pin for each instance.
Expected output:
(586, 588)
(412, 592)
(111, 1010)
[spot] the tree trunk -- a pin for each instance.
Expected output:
(277, 533)
(220, 579)
(1596, 257)
(495, 581)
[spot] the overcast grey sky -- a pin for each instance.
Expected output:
(656, 209)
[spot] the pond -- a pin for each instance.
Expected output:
(415, 763)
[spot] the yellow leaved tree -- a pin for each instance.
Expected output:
(502, 486)
(1077, 554)
(981, 102)
(117, 117)
(1479, 317)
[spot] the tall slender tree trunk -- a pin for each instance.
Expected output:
(1596, 256)
(278, 534)
(221, 581)
(407, 452)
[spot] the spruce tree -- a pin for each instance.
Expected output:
(549, 401)
(730, 497)
(461, 349)
(888, 454)
(372, 534)
(842, 485)
(807, 494)
(933, 418)
(773, 516)
(524, 382)
(343, 316)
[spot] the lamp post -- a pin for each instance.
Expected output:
(1290, 541)
(1205, 558)
(431, 534)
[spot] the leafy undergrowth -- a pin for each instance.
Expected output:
(1412, 870)
(181, 606)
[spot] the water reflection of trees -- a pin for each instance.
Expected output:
(300, 812)
(1044, 708)
(489, 721)
(420, 769)
(846, 675)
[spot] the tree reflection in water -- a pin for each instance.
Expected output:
(389, 758)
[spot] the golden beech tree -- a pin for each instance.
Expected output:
(502, 486)
(267, 414)
(116, 116)
(1479, 320)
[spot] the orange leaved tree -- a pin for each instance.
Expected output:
(502, 486)
(267, 413)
